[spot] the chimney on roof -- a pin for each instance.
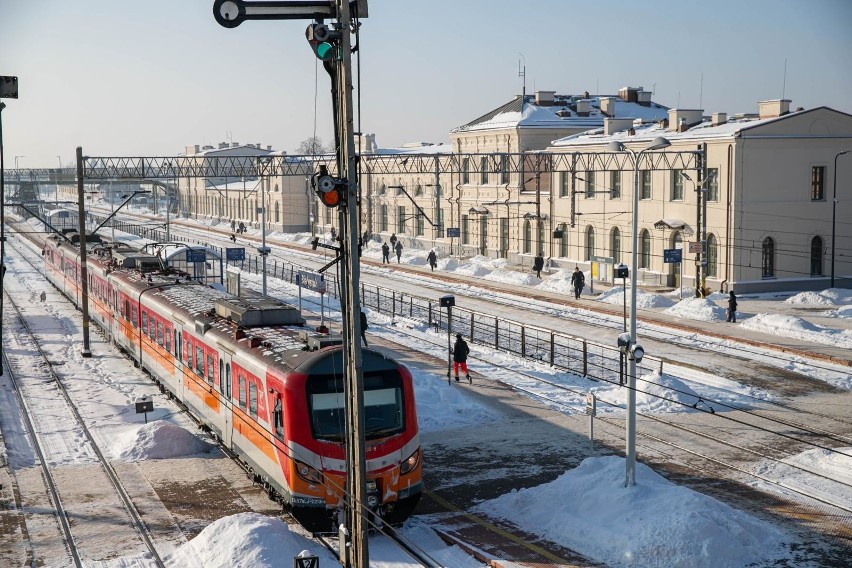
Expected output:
(719, 118)
(194, 149)
(223, 145)
(613, 125)
(773, 108)
(583, 107)
(684, 118)
(629, 94)
(269, 147)
(608, 106)
(544, 98)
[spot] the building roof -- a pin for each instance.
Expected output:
(737, 126)
(562, 112)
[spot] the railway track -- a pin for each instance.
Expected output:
(44, 403)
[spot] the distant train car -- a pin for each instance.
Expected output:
(242, 367)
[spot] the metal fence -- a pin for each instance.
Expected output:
(577, 355)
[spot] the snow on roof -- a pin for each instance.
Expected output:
(442, 148)
(563, 113)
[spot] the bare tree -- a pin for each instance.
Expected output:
(312, 145)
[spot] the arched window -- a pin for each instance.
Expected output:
(677, 240)
(527, 237)
(590, 242)
(615, 245)
(277, 212)
(644, 251)
(563, 242)
(768, 258)
(816, 256)
(712, 256)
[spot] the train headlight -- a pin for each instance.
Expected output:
(308, 473)
(410, 464)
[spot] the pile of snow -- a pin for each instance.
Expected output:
(558, 282)
(249, 540)
(654, 523)
(513, 277)
(792, 326)
(793, 473)
(844, 312)
(828, 297)
(158, 440)
(700, 309)
(654, 393)
(442, 407)
(643, 299)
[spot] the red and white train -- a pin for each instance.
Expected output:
(242, 367)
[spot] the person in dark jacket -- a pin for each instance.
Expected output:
(393, 240)
(460, 353)
(364, 328)
(732, 307)
(578, 281)
(538, 264)
(385, 253)
(398, 249)
(433, 259)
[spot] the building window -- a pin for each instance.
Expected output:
(465, 230)
(564, 184)
(465, 170)
(382, 189)
(818, 183)
(590, 185)
(768, 258)
(563, 240)
(504, 169)
(590, 242)
(400, 219)
(712, 256)
(277, 212)
(615, 245)
(677, 186)
(483, 171)
(527, 237)
(816, 256)
(440, 221)
(418, 190)
(646, 184)
(615, 185)
(713, 184)
(504, 237)
(419, 226)
(383, 218)
(644, 249)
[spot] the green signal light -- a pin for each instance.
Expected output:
(324, 51)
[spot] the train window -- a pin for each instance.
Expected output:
(144, 321)
(189, 353)
(221, 374)
(199, 360)
(152, 329)
(126, 311)
(253, 399)
(160, 333)
(242, 392)
(227, 389)
(278, 418)
(383, 407)
(210, 368)
(178, 344)
(134, 318)
(167, 336)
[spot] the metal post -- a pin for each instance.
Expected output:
(449, 344)
(834, 214)
(56, 187)
(84, 273)
(2, 233)
(264, 254)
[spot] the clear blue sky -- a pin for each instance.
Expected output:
(148, 77)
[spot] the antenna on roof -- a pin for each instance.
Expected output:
(701, 92)
(522, 72)
(784, 85)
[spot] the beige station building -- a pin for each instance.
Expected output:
(745, 201)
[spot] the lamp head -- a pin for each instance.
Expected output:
(659, 142)
(615, 146)
(685, 176)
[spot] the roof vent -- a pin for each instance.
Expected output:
(608, 106)
(583, 107)
(719, 118)
(773, 108)
(544, 98)
(257, 310)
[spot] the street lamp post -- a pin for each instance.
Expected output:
(615, 146)
(834, 213)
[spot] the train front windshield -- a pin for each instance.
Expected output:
(383, 407)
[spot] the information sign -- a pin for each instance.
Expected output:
(312, 281)
(238, 253)
(453, 232)
(671, 256)
(194, 255)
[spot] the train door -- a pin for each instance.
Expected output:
(180, 361)
(226, 384)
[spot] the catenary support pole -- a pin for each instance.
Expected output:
(84, 273)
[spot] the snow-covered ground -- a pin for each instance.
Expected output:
(655, 523)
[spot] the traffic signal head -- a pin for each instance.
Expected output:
(329, 189)
(321, 39)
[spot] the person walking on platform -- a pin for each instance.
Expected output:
(393, 240)
(578, 281)
(460, 353)
(385, 253)
(732, 307)
(433, 259)
(538, 264)
(364, 327)
(398, 248)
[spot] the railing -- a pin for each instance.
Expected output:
(563, 351)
